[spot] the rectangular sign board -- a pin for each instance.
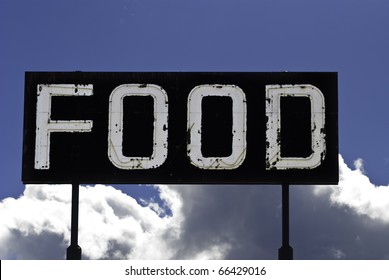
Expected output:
(181, 128)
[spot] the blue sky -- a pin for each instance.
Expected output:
(348, 37)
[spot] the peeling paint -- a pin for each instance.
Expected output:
(273, 127)
(160, 146)
(45, 125)
(239, 117)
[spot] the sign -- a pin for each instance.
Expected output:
(180, 128)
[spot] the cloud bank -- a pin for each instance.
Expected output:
(348, 221)
(357, 192)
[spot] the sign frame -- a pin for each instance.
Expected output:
(85, 156)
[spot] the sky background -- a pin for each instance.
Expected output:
(348, 221)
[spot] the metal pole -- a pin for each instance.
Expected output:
(74, 251)
(286, 251)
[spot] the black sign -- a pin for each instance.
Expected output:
(180, 128)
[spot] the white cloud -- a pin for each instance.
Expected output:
(348, 221)
(357, 192)
(34, 221)
(112, 224)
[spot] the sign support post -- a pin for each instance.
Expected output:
(286, 251)
(74, 251)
